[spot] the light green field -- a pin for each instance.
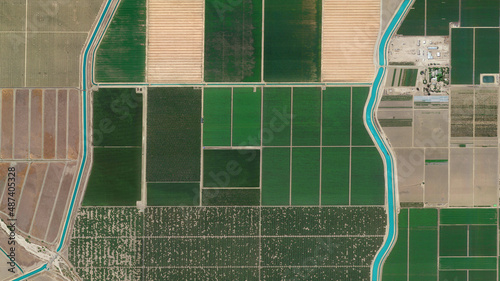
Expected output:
(246, 116)
(276, 176)
(423, 244)
(359, 134)
(468, 216)
(468, 263)
(367, 177)
(217, 117)
(396, 265)
(306, 116)
(305, 176)
(335, 176)
(336, 116)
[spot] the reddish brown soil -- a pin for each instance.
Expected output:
(21, 132)
(36, 124)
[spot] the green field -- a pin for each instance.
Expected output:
(173, 194)
(453, 240)
(246, 116)
(117, 117)
(337, 116)
(233, 41)
(468, 216)
(115, 179)
(306, 116)
(423, 244)
(276, 176)
(292, 41)
(414, 22)
(276, 117)
(468, 263)
(305, 176)
(481, 275)
(359, 134)
(367, 177)
(250, 274)
(487, 52)
(335, 176)
(230, 197)
(409, 78)
(231, 168)
(454, 275)
(173, 134)
(483, 240)
(462, 56)
(121, 56)
(439, 16)
(396, 265)
(217, 117)
(480, 13)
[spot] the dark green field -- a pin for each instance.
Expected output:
(487, 52)
(117, 117)
(453, 240)
(468, 263)
(306, 116)
(423, 244)
(336, 116)
(292, 41)
(335, 176)
(396, 265)
(276, 176)
(414, 22)
(277, 117)
(305, 176)
(367, 177)
(359, 134)
(481, 275)
(217, 117)
(440, 14)
(174, 134)
(115, 179)
(231, 168)
(121, 56)
(409, 77)
(233, 41)
(230, 197)
(483, 240)
(462, 56)
(453, 275)
(468, 216)
(480, 13)
(173, 194)
(246, 116)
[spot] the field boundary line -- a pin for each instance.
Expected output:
(54, 205)
(39, 197)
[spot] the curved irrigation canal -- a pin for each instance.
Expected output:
(369, 115)
(388, 157)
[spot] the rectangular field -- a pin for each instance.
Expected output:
(453, 240)
(483, 240)
(231, 168)
(217, 103)
(292, 41)
(462, 62)
(173, 194)
(336, 116)
(468, 263)
(367, 177)
(175, 41)
(423, 244)
(12, 57)
(414, 22)
(462, 112)
(480, 13)
(360, 134)
(305, 176)
(462, 182)
(335, 176)
(230, 197)
(237, 58)
(306, 121)
(174, 134)
(487, 52)
(439, 16)
(396, 265)
(246, 116)
(276, 176)
(276, 117)
(468, 216)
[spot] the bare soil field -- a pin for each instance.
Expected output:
(350, 31)
(7, 126)
(61, 202)
(30, 195)
(436, 177)
(410, 163)
(47, 199)
(486, 177)
(21, 171)
(431, 128)
(21, 135)
(461, 177)
(36, 124)
(23, 257)
(49, 124)
(12, 59)
(62, 109)
(73, 124)
(175, 41)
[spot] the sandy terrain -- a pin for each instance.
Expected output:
(431, 128)
(461, 180)
(62, 108)
(7, 128)
(61, 202)
(36, 124)
(21, 131)
(410, 163)
(29, 197)
(436, 177)
(485, 176)
(73, 124)
(350, 31)
(47, 199)
(21, 170)
(49, 124)
(23, 257)
(175, 41)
